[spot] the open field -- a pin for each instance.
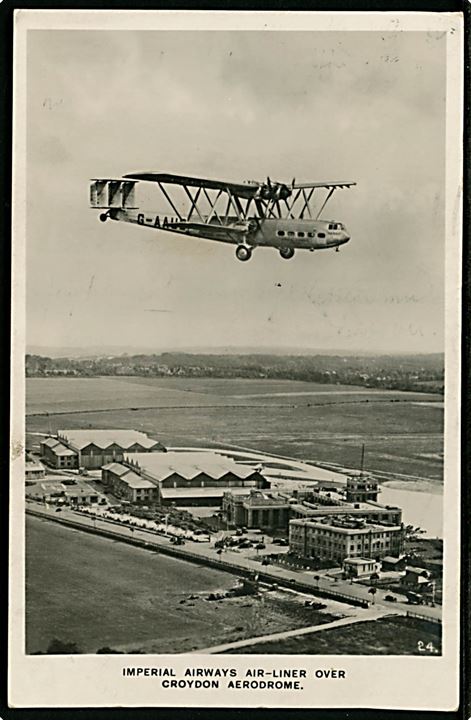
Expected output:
(328, 425)
(103, 593)
(392, 635)
(103, 393)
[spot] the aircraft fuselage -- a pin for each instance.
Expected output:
(280, 233)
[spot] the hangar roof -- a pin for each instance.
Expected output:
(188, 465)
(104, 438)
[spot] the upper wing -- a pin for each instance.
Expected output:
(326, 185)
(245, 190)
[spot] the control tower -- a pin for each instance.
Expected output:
(361, 487)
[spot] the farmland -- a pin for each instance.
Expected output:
(402, 431)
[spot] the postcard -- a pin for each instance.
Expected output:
(235, 475)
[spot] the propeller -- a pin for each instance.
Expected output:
(274, 190)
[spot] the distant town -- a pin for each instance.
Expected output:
(419, 373)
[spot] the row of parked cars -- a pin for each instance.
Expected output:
(241, 543)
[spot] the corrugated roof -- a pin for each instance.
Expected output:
(116, 468)
(104, 438)
(128, 476)
(50, 442)
(63, 451)
(57, 447)
(136, 482)
(188, 465)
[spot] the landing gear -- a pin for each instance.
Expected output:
(286, 253)
(104, 217)
(337, 249)
(243, 253)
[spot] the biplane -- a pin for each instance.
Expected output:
(249, 215)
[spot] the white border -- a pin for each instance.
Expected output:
(402, 683)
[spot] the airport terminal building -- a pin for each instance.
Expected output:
(257, 509)
(336, 538)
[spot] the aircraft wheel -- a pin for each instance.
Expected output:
(243, 253)
(286, 253)
(103, 217)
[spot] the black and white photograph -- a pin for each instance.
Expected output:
(236, 303)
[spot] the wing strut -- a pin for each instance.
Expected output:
(194, 202)
(212, 205)
(325, 202)
(306, 206)
(180, 217)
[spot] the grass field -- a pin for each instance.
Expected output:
(324, 423)
(387, 636)
(96, 592)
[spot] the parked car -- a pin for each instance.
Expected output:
(414, 598)
(390, 598)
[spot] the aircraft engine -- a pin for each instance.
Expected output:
(274, 191)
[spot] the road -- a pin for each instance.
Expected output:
(234, 560)
(373, 613)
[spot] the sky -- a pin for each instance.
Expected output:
(361, 106)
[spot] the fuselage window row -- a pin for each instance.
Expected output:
(300, 234)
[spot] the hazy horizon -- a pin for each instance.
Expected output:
(84, 351)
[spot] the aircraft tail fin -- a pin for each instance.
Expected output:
(109, 193)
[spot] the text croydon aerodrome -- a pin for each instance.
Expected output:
(254, 678)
